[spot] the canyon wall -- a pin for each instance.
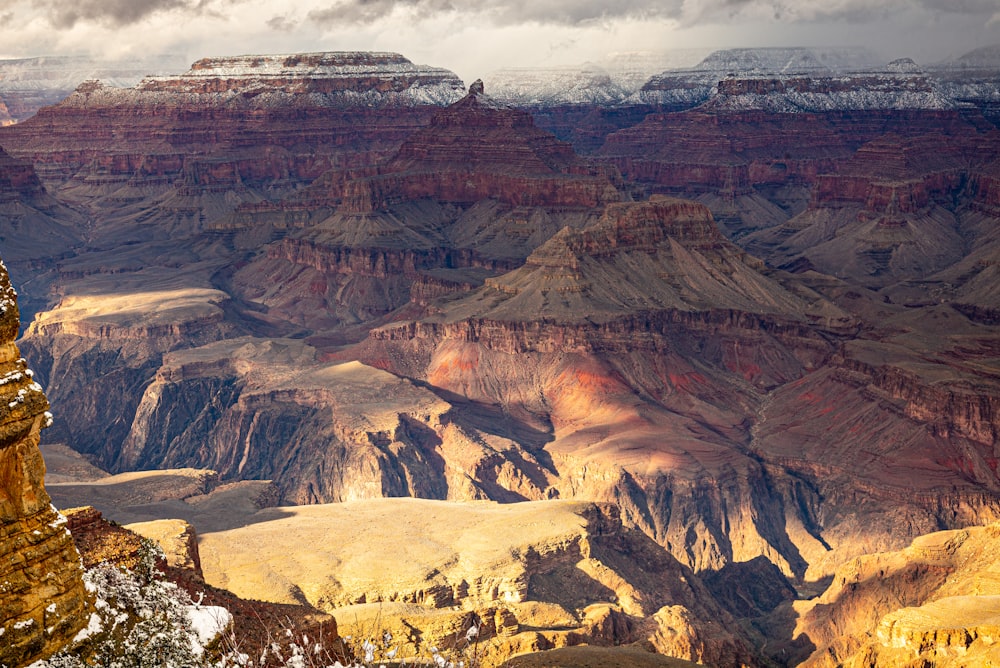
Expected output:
(42, 599)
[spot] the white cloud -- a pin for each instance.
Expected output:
(474, 37)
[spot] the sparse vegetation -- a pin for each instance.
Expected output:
(139, 619)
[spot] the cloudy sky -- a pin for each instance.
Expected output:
(474, 37)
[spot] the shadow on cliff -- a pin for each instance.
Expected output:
(207, 516)
(494, 420)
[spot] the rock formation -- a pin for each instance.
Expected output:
(536, 575)
(28, 84)
(35, 228)
(452, 304)
(42, 598)
(255, 623)
(935, 602)
(172, 153)
(885, 214)
(479, 188)
(567, 341)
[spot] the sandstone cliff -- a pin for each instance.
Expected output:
(933, 603)
(42, 599)
(535, 575)
(122, 324)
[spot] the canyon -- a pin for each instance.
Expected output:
(672, 365)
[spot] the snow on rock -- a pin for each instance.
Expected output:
(333, 79)
(692, 86)
(207, 622)
(876, 90)
(536, 87)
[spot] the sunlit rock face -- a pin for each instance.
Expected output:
(935, 602)
(673, 373)
(42, 595)
(534, 575)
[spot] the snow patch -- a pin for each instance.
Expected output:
(93, 626)
(207, 622)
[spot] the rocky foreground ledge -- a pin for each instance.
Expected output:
(42, 596)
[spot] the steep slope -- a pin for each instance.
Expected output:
(479, 188)
(933, 602)
(729, 413)
(762, 134)
(103, 340)
(42, 600)
(885, 214)
(323, 432)
(34, 227)
(646, 385)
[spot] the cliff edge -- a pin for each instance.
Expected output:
(41, 588)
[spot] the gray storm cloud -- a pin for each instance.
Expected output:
(509, 12)
(118, 13)
(65, 15)
(574, 12)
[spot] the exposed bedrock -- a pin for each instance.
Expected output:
(309, 112)
(255, 409)
(98, 350)
(934, 602)
(692, 418)
(537, 575)
(42, 598)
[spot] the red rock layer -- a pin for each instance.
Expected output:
(476, 149)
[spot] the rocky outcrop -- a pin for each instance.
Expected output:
(477, 149)
(256, 409)
(556, 344)
(176, 153)
(28, 84)
(125, 335)
(481, 187)
(536, 575)
(870, 90)
(933, 602)
(886, 214)
(42, 598)
(254, 622)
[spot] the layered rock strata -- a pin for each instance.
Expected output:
(256, 409)
(534, 575)
(479, 188)
(888, 213)
(934, 602)
(567, 342)
(570, 340)
(122, 324)
(28, 84)
(191, 148)
(35, 228)
(42, 598)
